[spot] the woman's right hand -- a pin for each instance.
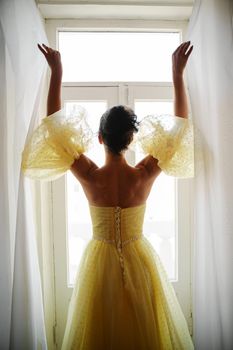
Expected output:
(180, 58)
(53, 58)
(179, 61)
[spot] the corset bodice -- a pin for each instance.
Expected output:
(114, 224)
(117, 226)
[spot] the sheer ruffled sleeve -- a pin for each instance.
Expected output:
(170, 140)
(55, 144)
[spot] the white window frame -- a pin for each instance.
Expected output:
(184, 193)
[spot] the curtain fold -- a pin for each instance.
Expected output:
(210, 81)
(21, 72)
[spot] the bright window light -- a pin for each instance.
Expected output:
(79, 228)
(117, 56)
(127, 57)
(160, 217)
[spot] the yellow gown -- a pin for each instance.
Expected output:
(122, 299)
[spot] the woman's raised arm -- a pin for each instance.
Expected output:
(54, 94)
(179, 61)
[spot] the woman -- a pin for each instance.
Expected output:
(122, 297)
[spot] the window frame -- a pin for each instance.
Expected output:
(184, 194)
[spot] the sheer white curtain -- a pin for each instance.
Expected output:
(21, 72)
(210, 80)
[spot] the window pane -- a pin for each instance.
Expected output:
(117, 56)
(79, 229)
(160, 218)
(148, 107)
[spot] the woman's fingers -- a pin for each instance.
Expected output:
(179, 48)
(182, 48)
(180, 58)
(185, 47)
(47, 48)
(53, 58)
(42, 50)
(189, 52)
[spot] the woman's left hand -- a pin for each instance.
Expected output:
(53, 58)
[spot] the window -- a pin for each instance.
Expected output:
(117, 56)
(88, 81)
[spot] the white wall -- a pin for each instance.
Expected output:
(121, 9)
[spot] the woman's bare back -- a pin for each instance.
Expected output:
(116, 183)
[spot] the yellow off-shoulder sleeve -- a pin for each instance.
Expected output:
(55, 144)
(170, 140)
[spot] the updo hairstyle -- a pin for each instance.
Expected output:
(117, 127)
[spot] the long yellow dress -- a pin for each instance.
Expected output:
(122, 299)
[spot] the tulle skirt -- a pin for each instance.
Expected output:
(136, 311)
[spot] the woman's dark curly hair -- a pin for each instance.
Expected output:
(117, 126)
